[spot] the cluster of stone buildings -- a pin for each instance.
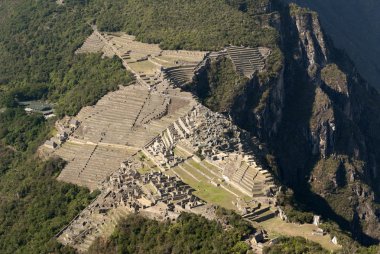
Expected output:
(65, 127)
(157, 187)
(211, 136)
(155, 116)
(153, 194)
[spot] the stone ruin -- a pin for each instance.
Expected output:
(155, 195)
(65, 127)
(154, 67)
(247, 61)
(212, 136)
(119, 125)
(156, 118)
(94, 44)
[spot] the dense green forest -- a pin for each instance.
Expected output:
(197, 24)
(34, 207)
(37, 62)
(214, 86)
(295, 245)
(190, 234)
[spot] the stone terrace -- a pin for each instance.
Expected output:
(246, 60)
(94, 44)
(149, 63)
(220, 142)
(88, 164)
(153, 194)
(130, 49)
(180, 75)
(120, 124)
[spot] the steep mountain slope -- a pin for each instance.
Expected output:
(319, 119)
(355, 27)
(336, 150)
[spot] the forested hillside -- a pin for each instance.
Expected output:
(37, 61)
(304, 95)
(190, 234)
(182, 24)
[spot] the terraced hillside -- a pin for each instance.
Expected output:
(162, 129)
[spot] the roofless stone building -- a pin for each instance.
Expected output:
(139, 144)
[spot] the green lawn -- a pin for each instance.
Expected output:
(205, 190)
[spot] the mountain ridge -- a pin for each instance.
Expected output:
(355, 27)
(316, 115)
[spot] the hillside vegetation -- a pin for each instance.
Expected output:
(190, 234)
(37, 44)
(37, 62)
(295, 245)
(181, 24)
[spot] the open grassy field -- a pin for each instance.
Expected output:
(191, 174)
(143, 67)
(207, 191)
(277, 227)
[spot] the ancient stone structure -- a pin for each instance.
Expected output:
(104, 144)
(246, 60)
(214, 137)
(154, 194)
(120, 124)
(94, 44)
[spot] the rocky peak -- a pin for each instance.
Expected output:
(312, 43)
(318, 118)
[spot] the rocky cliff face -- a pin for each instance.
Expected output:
(320, 120)
(333, 114)
(355, 27)
(333, 127)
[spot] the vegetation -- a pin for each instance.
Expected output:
(295, 211)
(335, 78)
(38, 62)
(220, 85)
(89, 79)
(233, 219)
(181, 24)
(297, 10)
(21, 132)
(190, 234)
(33, 205)
(294, 245)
